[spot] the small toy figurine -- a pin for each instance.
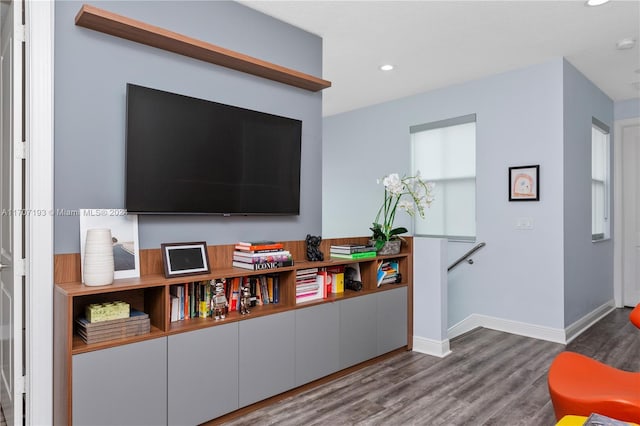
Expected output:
(313, 248)
(245, 299)
(219, 300)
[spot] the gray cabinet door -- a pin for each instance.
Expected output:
(392, 319)
(317, 342)
(358, 329)
(123, 385)
(267, 356)
(202, 374)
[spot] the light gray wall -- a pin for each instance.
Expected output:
(91, 72)
(588, 273)
(519, 274)
(430, 290)
(626, 109)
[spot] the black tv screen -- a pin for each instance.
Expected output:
(188, 155)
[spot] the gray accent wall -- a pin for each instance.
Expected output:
(520, 274)
(588, 266)
(91, 73)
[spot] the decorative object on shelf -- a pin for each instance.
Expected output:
(524, 183)
(181, 259)
(124, 234)
(97, 265)
(409, 193)
(390, 247)
(313, 248)
(219, 301)
(97, 312)
(352, 277)
(245, 298)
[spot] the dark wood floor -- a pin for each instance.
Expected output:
(491, 378)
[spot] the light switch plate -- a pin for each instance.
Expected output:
(524, 223)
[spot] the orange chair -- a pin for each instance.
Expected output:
(579, 385)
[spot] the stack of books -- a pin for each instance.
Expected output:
(261, 255)
(190, 300)
(388, 272)
(352, 251)
(135, 324)
(309, 285)
(264, 289)
(268, 288)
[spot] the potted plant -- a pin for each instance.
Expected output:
(409, 193)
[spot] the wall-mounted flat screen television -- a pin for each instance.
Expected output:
(192, 156)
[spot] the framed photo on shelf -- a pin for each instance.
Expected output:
(124, 235)
(524, 183)
(181, 259)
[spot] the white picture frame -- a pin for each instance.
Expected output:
(124, 233)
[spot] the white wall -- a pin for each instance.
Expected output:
(629, 108)
(430, 287)
(519, 274)
(588, 273)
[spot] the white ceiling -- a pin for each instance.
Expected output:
(435, 44)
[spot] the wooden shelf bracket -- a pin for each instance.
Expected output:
(120, 26)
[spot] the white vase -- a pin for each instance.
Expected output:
(98, 264)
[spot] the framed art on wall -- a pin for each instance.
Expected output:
(524, 183)
(124, 236)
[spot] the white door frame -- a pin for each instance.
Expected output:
(13, 271)
(39, 29)
(617, 207)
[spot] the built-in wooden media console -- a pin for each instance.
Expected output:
(275, 350)
(120, 26)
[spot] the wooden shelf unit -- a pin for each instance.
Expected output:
(150, 293)
(130, 29)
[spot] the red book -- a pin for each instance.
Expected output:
(259, 245)
(235, 294)
(186, 301)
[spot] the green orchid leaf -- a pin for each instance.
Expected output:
(399, 230)
(378, 234)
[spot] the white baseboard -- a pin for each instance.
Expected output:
(431, 347)
(514, 327)
(580, 326)
(550, 334)
(471, 322)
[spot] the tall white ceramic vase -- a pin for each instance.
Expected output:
(98, 265)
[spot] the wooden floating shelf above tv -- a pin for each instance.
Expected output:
(140, 32)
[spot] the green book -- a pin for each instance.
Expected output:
(363, 255)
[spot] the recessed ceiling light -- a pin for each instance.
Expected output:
(596, 2)
(625, 43)
(386, 67)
